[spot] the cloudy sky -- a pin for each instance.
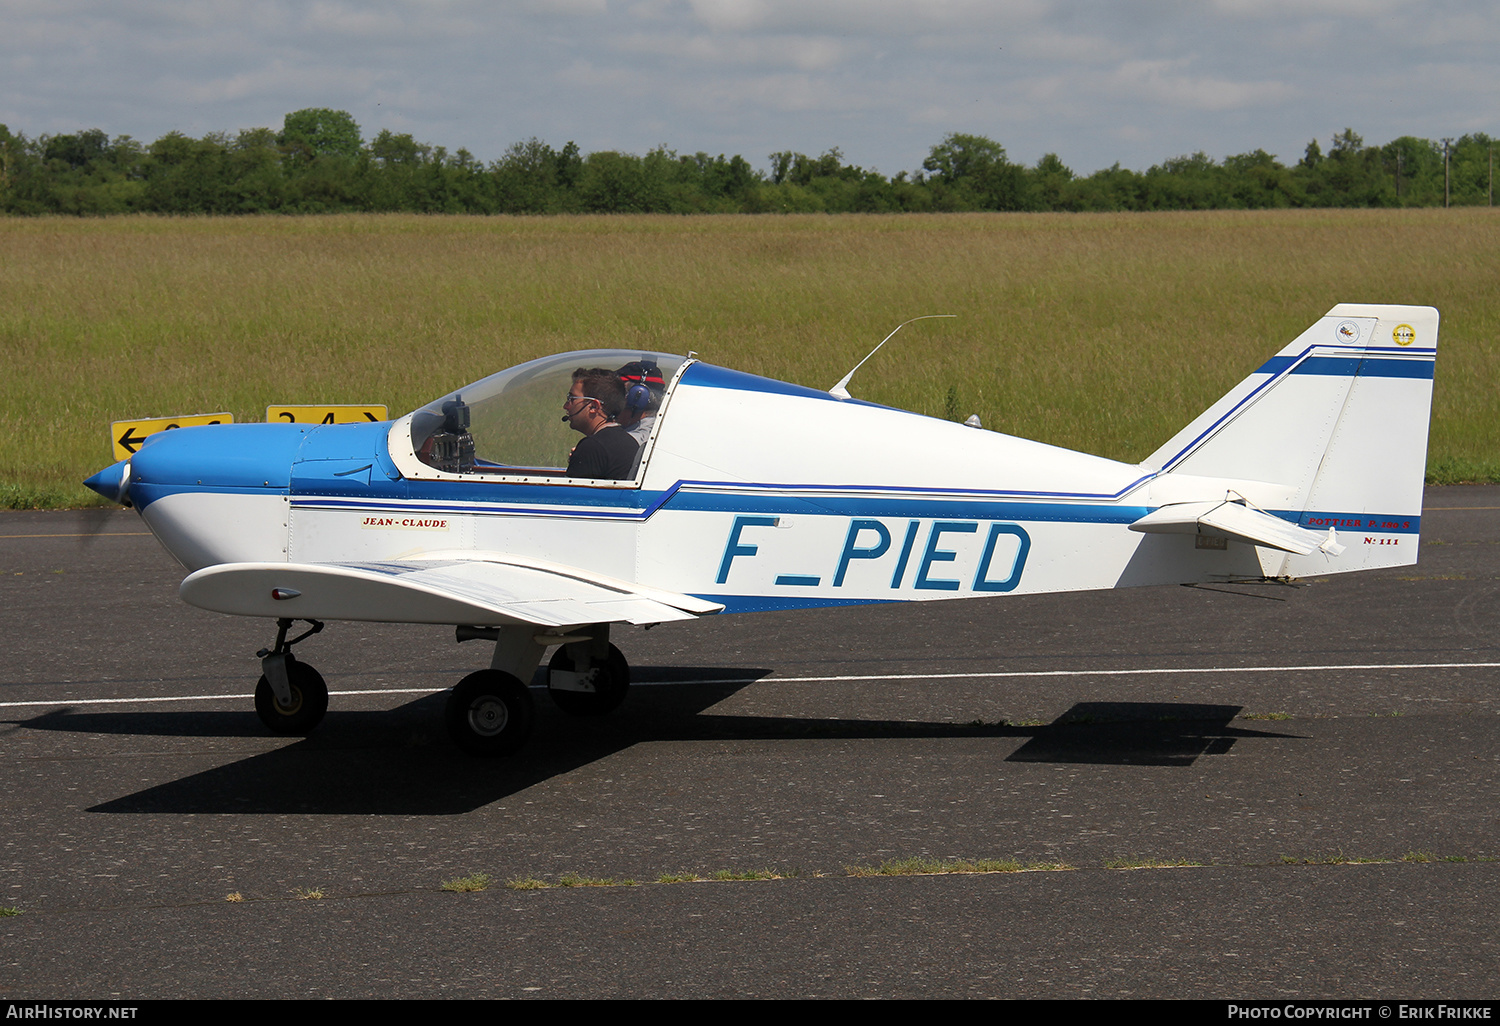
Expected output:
(1095, 81)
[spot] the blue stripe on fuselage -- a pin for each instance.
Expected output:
(771, 603)
(677, 500)
(907, 506)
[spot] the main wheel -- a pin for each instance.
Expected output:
(489, 713)
(611, 680)
(304, 712)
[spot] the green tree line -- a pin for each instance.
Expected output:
(320, 163)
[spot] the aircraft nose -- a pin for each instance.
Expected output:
(113, 482)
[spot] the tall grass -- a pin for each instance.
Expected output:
(1097, 332)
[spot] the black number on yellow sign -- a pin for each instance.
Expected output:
(336, 415)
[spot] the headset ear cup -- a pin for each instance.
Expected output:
(638, 397)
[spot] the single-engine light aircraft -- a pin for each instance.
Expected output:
(752, 494)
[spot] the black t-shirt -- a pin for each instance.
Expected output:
(608, 454)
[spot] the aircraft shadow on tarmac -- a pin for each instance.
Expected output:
(398, 761)
(1136, 734)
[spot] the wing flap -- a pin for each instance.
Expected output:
(475, 591)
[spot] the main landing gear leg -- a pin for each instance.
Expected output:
(290, 697)
(588, 676)
(490, 712)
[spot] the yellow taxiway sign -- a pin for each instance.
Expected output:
(126, 436)
(324, 414)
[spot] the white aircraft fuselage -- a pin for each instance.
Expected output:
(752, 494)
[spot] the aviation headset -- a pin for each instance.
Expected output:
(643, 384)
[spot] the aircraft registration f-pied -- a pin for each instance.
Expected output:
(753, 494)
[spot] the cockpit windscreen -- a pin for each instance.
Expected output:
(512, 422)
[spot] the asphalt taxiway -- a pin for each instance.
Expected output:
(1262, 791)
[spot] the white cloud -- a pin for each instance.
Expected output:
(1066, 48)
(564, 8)
(356, 20)
(1158, 81)
(887, 18)
(802, 52)
(277, 76)
(1299, 9)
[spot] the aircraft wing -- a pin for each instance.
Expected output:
(1237, 521)
(479, 589)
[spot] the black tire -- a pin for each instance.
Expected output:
(611, 682)
(489, 713)
(308, 705)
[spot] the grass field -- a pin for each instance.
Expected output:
(1098, 332)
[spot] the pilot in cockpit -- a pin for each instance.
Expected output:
(607, 450)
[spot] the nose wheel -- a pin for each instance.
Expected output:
(307, 700)
(290, 697)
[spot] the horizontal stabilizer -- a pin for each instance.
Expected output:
(478, 592)
(1225, 518)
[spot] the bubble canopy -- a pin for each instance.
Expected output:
(509, 424)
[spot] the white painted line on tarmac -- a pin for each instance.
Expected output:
(994, 675)
(1116, 673)
(240, 697)
(85, 534)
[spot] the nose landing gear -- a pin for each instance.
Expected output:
(290, 697)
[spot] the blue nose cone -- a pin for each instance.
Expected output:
(113, 482)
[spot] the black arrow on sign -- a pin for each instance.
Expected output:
(129, 441)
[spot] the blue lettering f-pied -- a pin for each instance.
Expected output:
(734, 548)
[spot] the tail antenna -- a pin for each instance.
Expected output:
(840, 392)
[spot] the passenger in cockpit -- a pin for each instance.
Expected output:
(644, 388)
(643, 393)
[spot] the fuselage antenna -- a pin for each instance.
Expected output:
(840, 392)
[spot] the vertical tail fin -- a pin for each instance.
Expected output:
(1339, 417)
